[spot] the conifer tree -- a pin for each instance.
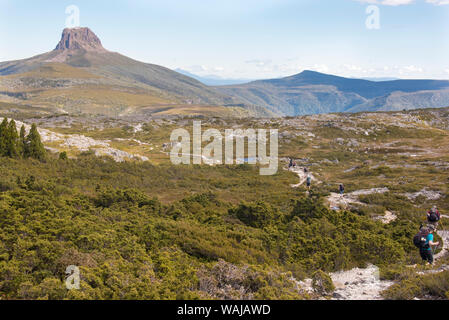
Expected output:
(3, 136)
(34, 147)
(12, 139)
(21, 146)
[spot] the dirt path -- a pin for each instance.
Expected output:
(444, 234)
(338, 201)
(357, 283)
(302, 176)
(387, 218)
(354, 284)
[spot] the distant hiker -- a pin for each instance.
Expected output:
(306, 170)
(341, 187)
(424, 241)
(308, 181)
(433, 216)
(290, 163)
(294, 164)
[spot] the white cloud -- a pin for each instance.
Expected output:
(259, 63)
(403, 2)
(352, 67)
(447, 70)
(438, 2)
(410, 70)
(202, 69)
(389, 2)
(320, 68)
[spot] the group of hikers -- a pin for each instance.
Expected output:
(292, 164)
(424, 239)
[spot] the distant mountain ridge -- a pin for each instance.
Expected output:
(81, 76)
(121, 86)
(212, 80)
(312, 92)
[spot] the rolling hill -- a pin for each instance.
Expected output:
(79, 75)
(312, 92)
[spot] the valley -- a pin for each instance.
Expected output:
(393, 165)
(86, 180)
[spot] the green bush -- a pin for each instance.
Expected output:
(322, 283)
(257, 215)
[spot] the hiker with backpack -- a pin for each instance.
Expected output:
(308, 181)
(424, 241)
(341, 188)
(433, 216)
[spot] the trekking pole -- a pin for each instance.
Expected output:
(435, 249)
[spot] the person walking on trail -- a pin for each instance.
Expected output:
(290, 163)
(306, 170)
(341, 187)
(424, 241)
(308, 181)
(433, 216)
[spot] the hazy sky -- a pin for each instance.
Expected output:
(248, 38)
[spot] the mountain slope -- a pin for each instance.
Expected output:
(313, 92)
(81, 49)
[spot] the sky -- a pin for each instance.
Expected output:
(251, 39)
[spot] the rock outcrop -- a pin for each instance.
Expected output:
(79, 39)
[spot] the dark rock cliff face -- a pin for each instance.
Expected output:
(78, 39)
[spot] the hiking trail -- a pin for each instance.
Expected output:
(362, 283)
(354, 284)
(337, 201)
(302, 176)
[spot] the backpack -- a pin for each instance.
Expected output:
(433, 217)
(420, 240)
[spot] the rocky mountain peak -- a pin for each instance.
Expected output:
(79, 38)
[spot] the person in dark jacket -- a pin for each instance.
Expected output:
(341, 187)
(433, 216)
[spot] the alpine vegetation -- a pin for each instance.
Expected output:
(16, 145)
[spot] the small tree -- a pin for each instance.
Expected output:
(21, 145)
(63, 156)
(3, 136)
(322, 283)
(34, 147)
(11, 140)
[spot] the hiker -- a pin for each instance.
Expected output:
(433, 216)
(306, 170)
(290, 163)
(308, 181)
(294, 164)
(341, 187)
(424, 241)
